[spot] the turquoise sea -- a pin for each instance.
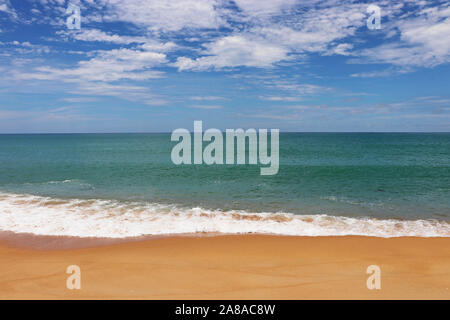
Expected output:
(121, 185)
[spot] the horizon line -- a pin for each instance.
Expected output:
(169, 132)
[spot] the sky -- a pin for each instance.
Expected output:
(158, 65)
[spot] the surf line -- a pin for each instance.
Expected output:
(213, 153)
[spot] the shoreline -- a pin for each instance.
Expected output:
(231, 267)
(116, 219)
(33, 241)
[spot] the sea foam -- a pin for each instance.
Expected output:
(21, 213)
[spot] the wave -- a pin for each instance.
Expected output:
(59, 183)
(22, 213)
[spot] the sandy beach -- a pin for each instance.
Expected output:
(231, 267)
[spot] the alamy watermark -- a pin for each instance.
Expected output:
(374, 20)
(374, 280)
(74, 280)
(213, 153)
(73, 21)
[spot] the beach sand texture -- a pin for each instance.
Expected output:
(231, 267)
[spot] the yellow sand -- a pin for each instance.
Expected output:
(233, 267)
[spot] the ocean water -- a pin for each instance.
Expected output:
(125, 185)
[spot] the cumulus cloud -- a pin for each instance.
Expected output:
(301, 89)
(264, 33)
(143, 42)
(5, 6)
(113, 65)
(343, 49)
(317, 28)
(100, 74)
(327, 29)
(165, 15)
(264, 44)
(258, 7)
(234, 51)
(425, 40)
(199, 35)
(101, 36)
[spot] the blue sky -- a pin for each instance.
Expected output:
(158, 65)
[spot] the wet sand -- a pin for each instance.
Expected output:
(228, 267)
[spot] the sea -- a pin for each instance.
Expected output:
(125, 185)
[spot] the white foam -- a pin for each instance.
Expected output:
(114, 219)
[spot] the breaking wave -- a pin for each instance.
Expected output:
(38, 215)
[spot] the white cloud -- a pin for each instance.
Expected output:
(425, 40)
(5, 6)
(113, 65)
(278, 30)
(234, 51)
(279, 98)
(98, 35)
(261, 7)
(98, 75)
(323, 29)
(206, 98)
(265, 43)
(380, 73)
(143, 42)
(341, 49)
(165, 15)
(127, 92)
(302, 89)
(268, 32)
(316, 29)
(28, 48)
